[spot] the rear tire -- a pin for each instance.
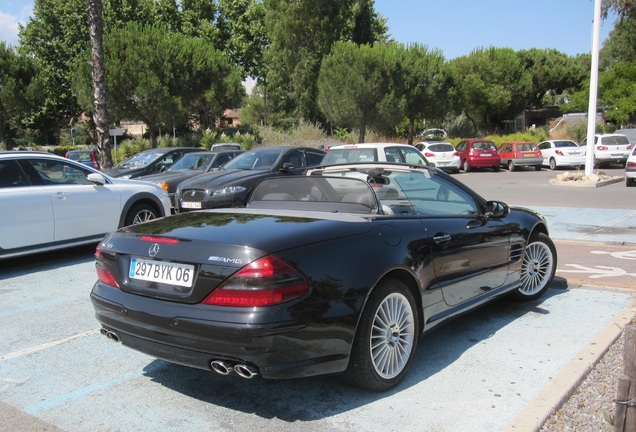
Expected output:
(496, 168)
(553, 164)
(385, 342)
(537, 167)
(511, 166)
(466, 166)
(539, 266)
(140, 213)
(629, 182)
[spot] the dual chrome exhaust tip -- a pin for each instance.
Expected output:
(110, 334)
(224, 367)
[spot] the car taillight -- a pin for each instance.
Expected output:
(629, 147)
(456, 154)
(430, 155)
(631, 165)
(96, 165)
(103, 275)
(264, 282)
(559, 152)
(602, 147)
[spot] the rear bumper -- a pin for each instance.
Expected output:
(527, 161)
(179, 333)
(484, 162)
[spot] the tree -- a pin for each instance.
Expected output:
(490, 85)
(100, 101)
(618, 92)
(553, 73)
(422, 81)
(301, 34)
(180, 79)
(357, 87)
(18, 85)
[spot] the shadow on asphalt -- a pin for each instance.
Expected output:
(16, 267)
(315, 398)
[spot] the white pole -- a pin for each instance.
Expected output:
(591, 111)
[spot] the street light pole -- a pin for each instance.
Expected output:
(591, 111)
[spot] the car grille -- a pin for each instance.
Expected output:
(192, 195)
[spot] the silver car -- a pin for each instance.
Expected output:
(50, 202)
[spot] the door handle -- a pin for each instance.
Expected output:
(474, 224)
(60, 195)
(441, 238)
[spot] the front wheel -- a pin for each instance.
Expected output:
(539, 266)
(386, 338)
(140, 213)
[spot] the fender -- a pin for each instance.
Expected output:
(141, 197)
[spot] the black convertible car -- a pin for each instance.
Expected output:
(339, 271)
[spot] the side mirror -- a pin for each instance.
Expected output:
(97, 179)
(496, 209)
(287, 166)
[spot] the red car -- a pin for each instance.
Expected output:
(478, 153)
(520, 154)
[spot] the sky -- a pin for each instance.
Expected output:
(456, 27)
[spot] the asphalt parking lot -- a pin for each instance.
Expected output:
(500, 368)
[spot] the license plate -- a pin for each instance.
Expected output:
(485, 154)
(163, 272)
(191, 205)
(529, 155)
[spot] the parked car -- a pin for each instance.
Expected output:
(562, 153)
(230, 184)
(225, 146)
(50, 202)
(313, 277)
(478, 153)
(374, 152)
(520, 154)
(610, 149)
(86, 157)
(630, 169)
(148, 162)
(440, 154)
(190, 165)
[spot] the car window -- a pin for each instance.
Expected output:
(140, 160)
(189, 162)
(615, 140)
(544, 145)
(261, 159)
(432, 195)
(564, 143)
(53, 172)
(11, 175)
(412, 156)
(441, 147)
(313, 158)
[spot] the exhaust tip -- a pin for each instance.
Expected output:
(245, 371)
(220, 367)
(110, 334)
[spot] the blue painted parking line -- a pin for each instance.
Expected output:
(590, 224)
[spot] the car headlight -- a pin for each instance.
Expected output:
(228, 190)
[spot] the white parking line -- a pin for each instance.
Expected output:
(47, 345)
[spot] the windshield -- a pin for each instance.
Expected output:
(192, 161)
(141, 160)
(441, 148)
(350, 155)
(484, 145)
(615, 140)
(262, 159)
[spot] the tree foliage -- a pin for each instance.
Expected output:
(179, 79)
(358, 86)
(617, 90)
(423, 83)
(490, 85)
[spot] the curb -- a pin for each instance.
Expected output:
(555, 394)
(587, 184)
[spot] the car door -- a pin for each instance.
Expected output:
(26, 218)
(80, 208)
(470, 251)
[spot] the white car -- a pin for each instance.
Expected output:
(562, 153)
(630, 169)
(441, 154)
(50, 202)
(610, 148)
(374, 152)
